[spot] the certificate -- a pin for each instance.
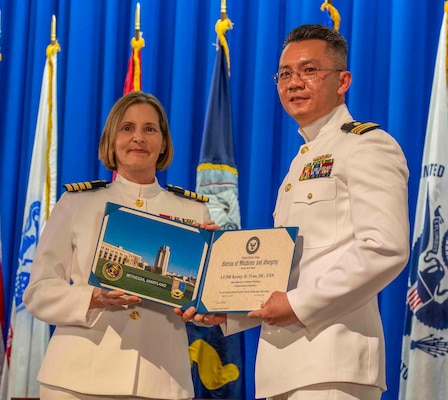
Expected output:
(180, 265)
(244, 267)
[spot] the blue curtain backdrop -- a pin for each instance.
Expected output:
(392, 55)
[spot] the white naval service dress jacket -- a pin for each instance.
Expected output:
(141, 350)
(353, 241)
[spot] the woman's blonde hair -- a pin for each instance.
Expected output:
(106, 150)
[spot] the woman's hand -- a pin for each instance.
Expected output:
(190, 315)
(102, 298)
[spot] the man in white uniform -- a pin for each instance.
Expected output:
(346, 190)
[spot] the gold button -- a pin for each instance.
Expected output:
(134, 315)
(139, 202)
(287, 187)
(310, 196)
(304, 149)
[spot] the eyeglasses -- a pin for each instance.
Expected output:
(305, 74)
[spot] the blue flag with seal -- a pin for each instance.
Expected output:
(425, 340)
(217, 362)
(217, 175)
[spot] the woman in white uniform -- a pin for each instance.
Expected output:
(108, 345)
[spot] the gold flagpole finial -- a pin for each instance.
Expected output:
(137, 21)
(53, 29)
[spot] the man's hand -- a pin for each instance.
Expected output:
(275, 311)
(190, 315)
(102, 298)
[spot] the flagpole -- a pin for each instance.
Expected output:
(137, 21)
(137, 43)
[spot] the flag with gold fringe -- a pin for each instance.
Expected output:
(28, 337)
(217, 361)
(425, 341)
(217, 175)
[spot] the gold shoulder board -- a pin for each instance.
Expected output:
(81, 186)
(359, 127)
(186, 193)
